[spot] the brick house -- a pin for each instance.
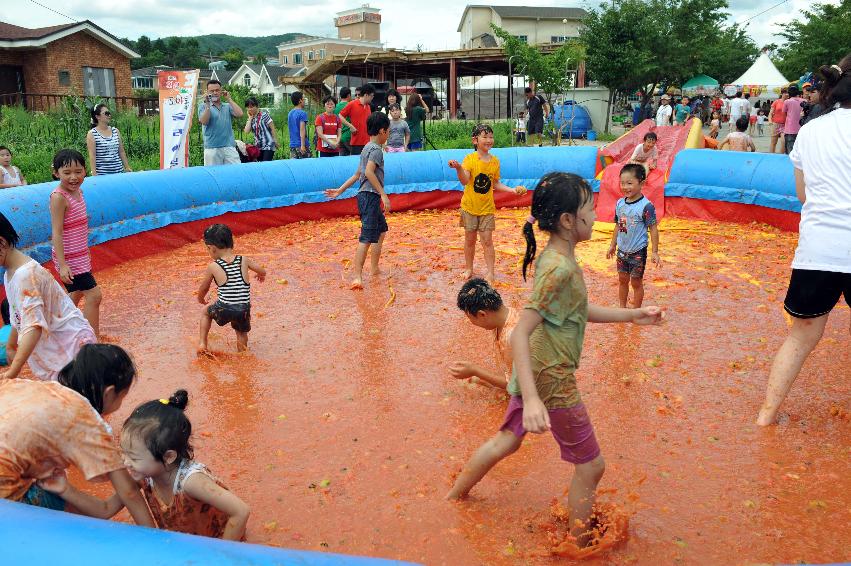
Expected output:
(79, 58)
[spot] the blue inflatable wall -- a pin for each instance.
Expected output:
(35, 536)
(762, 179)
(127, 204)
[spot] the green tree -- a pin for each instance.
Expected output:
(143, 45)
(548, 70)
(234, 58)
(259, 59)
(821, 37)
(730, 55)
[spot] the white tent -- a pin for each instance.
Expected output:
(764, 75)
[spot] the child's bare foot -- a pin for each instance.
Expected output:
(357, 283)
(204, 352)
(468, 274)
(375, 272)
(491, 278)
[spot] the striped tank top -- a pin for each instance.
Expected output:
(75, 234)
(236, 290)
(107, 158)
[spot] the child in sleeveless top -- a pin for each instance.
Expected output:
(69, 223)
(230, 272)
(739, 140)
(10, 176)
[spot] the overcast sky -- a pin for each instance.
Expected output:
(431, 23)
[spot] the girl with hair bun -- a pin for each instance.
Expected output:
(821, 270)
(546, 345)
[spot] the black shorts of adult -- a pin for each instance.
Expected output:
(789, 141)
(238, 316)
(266, 155)
(373, 223)
(814, 293)
(535, 126)
(345, 148)
(328, 154)
(355, 149)
(82, 282)
(298, 153)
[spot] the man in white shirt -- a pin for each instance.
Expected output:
(663, 115)
(738, 108)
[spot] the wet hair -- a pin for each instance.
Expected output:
(7, 231)
(95, 112)
(747, 95)
(478, 130)
(794, 91)
(651, 136)
(742, 123)
(4, 311)
(251, 101)
(214, 82)
(345, 92)
(68, 157)
(637, 170)
(738, 95)
(96, 367)
(296, 98)
(2, 147)
(329, 98)
(162, 425)
(477, 295)
(367, 89)
(376, 122)
(837, 83)
(556, 193)
(218, 235)
(394, 107)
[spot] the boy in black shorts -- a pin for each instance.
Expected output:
(230, 272)
(371, 195)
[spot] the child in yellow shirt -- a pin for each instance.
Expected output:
(479, 173)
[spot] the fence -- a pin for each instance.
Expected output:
(44, 102)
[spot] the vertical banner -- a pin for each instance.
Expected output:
(177, 105)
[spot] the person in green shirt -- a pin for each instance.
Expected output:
(346, 136)
(682, 112)
(415, 114)
(546, 345)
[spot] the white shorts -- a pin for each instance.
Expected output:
(221, 156)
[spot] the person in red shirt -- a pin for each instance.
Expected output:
(356, 112)
(777, 116)
(328, 130)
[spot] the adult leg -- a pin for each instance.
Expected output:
(623, 289)
(637, 284)
(490, 254)
(802, 339)
(503, 444)
(91, 307)
(469, 251)
(581, 498)
(375, 255)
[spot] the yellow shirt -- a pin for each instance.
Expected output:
(478, 193)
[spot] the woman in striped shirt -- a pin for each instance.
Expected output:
(69, 223)
(106, 150)
(261, 125)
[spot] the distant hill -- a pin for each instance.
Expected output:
(219, 42)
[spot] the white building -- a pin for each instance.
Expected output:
(264, 79)
(533, 25)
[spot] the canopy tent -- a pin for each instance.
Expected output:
(700, 85)
(762, 79)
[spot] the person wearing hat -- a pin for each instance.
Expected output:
(663, 115)
(812, 108)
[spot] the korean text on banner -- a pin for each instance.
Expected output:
(177, 101)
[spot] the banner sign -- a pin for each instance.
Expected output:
(177, 105)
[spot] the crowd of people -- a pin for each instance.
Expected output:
(55, 420)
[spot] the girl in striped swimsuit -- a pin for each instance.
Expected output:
(230, 272)
(70, 234)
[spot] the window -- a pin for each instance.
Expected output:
(246, 79)
(64, 78)
(321, 53)
(142, 82)
(523, 38)
(286, 60)
(98, 81)
(558, 39)
(296, 58)
(310, 55)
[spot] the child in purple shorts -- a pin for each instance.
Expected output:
(635, 216)
(546, 346)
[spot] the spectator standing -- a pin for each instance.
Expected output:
(537, 108)
(777, 116)
(416, 112)
(356, 112)
(297, 125)
(814, 108)
(260, 124)
(663, 115)
(792, 126)
(682, 111)
(328, 130)
(345, 147)
(738, 108)
(106, 150)
(217, 125)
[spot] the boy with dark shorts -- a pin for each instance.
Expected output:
(230, 272)
(371, 195)
(635, 215)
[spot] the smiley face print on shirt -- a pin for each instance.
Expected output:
(482, 184)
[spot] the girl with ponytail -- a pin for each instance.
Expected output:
(546, 346)
(821, 270)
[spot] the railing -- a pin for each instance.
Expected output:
(43, 102)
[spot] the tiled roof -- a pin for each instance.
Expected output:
(12, 32)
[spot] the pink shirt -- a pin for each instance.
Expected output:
(75, 234)
(793, 115)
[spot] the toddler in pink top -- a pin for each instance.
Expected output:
(69, 223)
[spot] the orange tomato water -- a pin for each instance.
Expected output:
(343, 430)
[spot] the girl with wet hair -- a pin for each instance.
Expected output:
(546, 346)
